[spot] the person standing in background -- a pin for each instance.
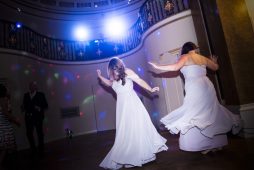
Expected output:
(34, 105)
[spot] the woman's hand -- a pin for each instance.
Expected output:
(214, 58)
(155, 89)
(99, 72)
(152, 64)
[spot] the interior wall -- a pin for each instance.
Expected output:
(66, 86)
(239, 35)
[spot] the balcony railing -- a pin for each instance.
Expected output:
(25, 39)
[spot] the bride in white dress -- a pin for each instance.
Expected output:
(202, 121)
(136, 140)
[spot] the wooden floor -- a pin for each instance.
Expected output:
(87, 151)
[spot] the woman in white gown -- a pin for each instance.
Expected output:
(202, 121)
(136, 140)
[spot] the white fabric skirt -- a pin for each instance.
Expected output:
(194, 140)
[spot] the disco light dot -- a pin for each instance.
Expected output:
(56, 75)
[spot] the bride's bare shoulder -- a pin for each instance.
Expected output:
(129, 71)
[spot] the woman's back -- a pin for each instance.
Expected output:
(196, 59)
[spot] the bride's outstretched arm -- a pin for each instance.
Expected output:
(170, 67)
(140, 81)
(104, 80)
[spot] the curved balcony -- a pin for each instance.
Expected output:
(27, 40)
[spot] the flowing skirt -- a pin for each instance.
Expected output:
(201, 120)
(136, 141)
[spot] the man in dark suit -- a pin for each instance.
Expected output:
(34, 105)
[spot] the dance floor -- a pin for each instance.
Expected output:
(87, 151)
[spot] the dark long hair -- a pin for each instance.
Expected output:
(115, 64)
(187, 47)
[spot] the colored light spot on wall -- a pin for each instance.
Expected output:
(26, 72)
(68, 97)
(102, 115)
(15, 67)
(65, 80)
(68, 75)
(81, 114)
(88, 99)
(56, 75)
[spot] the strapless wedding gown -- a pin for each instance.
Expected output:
(136, 141)
(202, 121)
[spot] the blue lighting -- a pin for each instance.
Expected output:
(81, 33)
(68, 97)
(18, 25)
(115, 27)
(102, 115)
(155, 114)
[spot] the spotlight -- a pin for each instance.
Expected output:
(81, 33)
(18, 25)
(115, 27)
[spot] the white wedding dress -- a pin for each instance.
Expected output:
(202, 121)
(136, 141)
